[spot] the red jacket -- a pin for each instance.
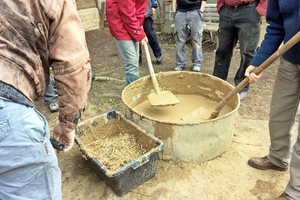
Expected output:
(125, 18)
(261, 7)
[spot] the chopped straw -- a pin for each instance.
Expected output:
(116, 151)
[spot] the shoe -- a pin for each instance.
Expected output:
(53, 107)
(196, 68)
(243, 95)
(264, 163)
(284, 196)
(179, 68)
(158, 59)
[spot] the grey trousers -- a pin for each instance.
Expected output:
(284, 150)
(49, 96)
(194, 20)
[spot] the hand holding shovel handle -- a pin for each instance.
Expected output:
(295, 39)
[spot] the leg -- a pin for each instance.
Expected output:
(181, 32)
(247, 22)
(140, 54)
(194, 20)
(293, 188)
(129, 51)
(49, 97)
(284, 104)
(227, 41)
(152, 37)
(30, 170)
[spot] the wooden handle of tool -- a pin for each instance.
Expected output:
(152, 74)
(258, 70)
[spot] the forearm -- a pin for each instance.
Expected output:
(174, 4)
(203, 3)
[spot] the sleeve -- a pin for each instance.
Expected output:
(220, 3)
(131, 18)
(274, 36)
(70, 61)
(154, 4)
(261, 8)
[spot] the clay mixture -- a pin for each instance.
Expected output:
(191, 109)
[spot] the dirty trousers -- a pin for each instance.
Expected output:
(28, 167)
(284, 106)
(237, 24)
(194, 20)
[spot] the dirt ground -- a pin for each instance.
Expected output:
(223, 178)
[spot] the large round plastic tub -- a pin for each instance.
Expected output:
(193, 142)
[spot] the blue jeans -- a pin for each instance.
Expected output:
(28, 167)
(152, 37)
(129, 51)
(194, 20)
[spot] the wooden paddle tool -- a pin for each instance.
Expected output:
(258, 70)
(159, 98)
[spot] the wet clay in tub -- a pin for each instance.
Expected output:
(191, 109)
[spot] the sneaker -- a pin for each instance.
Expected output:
(196, 68)
(243, 95)
(179, 68)
(158, 59)
(53, 107)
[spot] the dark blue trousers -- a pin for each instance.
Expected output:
(152, 37)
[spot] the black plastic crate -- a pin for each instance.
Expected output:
(133, 174)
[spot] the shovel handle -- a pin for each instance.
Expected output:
(257, 71)
(152, 74)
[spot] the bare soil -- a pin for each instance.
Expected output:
(226, 177)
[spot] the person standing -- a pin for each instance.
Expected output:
(49, 97)
(125, 20)
(283, 18)
(239, 20)
(188, 13)
(34, 36)
(150, 31)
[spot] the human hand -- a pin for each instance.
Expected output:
(152, 11)
(144, 41)
(253, 78)
(174, 12)
(67, 138)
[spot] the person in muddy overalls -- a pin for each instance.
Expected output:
(34, 36)
(125, 20)
(283, 17)
(239, 20)
(188, 14)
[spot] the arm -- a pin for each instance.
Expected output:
(203, 3)
(261, 8)
(174, 5)
(154, 6)
(133, 19)
(69, 59)
(220, 3)
(273, 39)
